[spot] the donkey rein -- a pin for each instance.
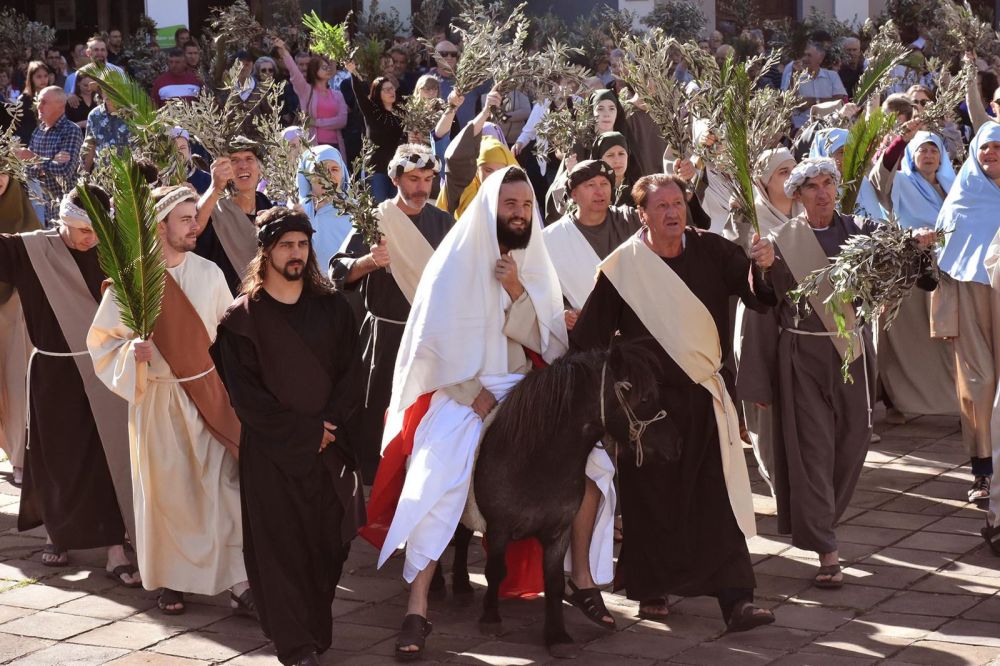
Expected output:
(636, 426)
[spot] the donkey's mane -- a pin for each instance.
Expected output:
(539, 406)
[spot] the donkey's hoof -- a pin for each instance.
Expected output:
(563, 650)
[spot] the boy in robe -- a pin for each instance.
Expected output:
(686, 522)
(183, 433)
(288, 351)
(412, 229)
(791, 364)
(76, 475)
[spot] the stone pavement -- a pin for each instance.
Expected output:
(922, 589)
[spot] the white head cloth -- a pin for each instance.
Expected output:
(177, 196)
(71, 215)
(810, 168)
(405, 161)
(460, 300)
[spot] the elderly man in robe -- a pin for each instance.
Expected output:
(686, 522)
(76, 474)
(183, 432)
(227, 235)
(411, 231)
(288, 351)
(488, 294)
(964, 308)
(791, 365)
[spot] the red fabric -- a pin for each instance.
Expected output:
(391, 474)
(525, 577)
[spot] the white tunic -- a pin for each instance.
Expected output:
(189, 534)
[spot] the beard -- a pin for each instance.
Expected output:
(293, 271)
(511, 238)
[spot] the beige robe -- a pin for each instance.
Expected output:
(14, 350)
(186, 487)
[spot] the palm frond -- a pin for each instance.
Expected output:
(884, 52)
(128, 248)
(10, 144)
(420, 115)
(425, 20)
(562, 129)
(281, 173)
(356, 200)
(735, 114)
(367, 54)
(863, 140)
(329, 40)
(950, 93)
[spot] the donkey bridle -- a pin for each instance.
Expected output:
(636, 426)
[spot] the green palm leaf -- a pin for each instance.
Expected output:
(329, 40)
(863, 140)
(128, 95)
(735, 113)
(884, 53)
(128, 248)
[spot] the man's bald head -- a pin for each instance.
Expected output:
(51, 105)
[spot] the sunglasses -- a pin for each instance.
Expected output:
(267, 70)
(921, 102)
(448, 54)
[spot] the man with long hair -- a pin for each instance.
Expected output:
(288, 353)
(183, 433)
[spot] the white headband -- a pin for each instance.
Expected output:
(810, 168)
(163, 207)
(71, 215)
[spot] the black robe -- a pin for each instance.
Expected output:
(210, 246)
(67, 484)
(299, 506)
(681, 536)
(380, 339)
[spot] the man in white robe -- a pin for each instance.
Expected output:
(490, 282)
(186, 484)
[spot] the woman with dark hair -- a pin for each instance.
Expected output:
(383, 127)
(613, 149)
(36, 79)
(326, 107)
(88, 91)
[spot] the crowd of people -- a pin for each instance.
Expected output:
(319, 367)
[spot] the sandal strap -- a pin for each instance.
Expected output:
(414, 631)
(170, 597)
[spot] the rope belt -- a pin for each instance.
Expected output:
(180, 380)
(371, 368)
(27, 380)
(864, 359)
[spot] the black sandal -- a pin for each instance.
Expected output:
(988, 533)
(653, 603)
(830, 570)
(123, 570)
(244, 603)
(590, 602)
(62, 558)
(747, 616)
(414, 632)
(170, 597)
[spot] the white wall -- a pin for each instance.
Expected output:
(402, 6)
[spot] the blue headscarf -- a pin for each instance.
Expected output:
(915, 201)
(827, 142)
(331, 227)
(969, 215)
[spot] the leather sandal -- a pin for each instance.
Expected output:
(413, 633)
(591, 603)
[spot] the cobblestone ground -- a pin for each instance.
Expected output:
(921, 589)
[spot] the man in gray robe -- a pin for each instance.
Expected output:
(791, 363)
(413, 170)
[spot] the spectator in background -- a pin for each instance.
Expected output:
(449, 54)
(514, 111)
(97, 51)
(192, 56)
(852, 64)
(37, 80)
(56, 142)
(715, 40)
(819, 85)
(116, 47)
(178, 82)
(88, 92)
(615, 60)
(326, 107)
(602, 66)
(383, 125)
(723, 53)
(406, 79)
(266, 68)
(80, 57)
(6, 90)
(105, 132)
(199, 179)
(181, 37)
(57, 65)
(302, 62)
